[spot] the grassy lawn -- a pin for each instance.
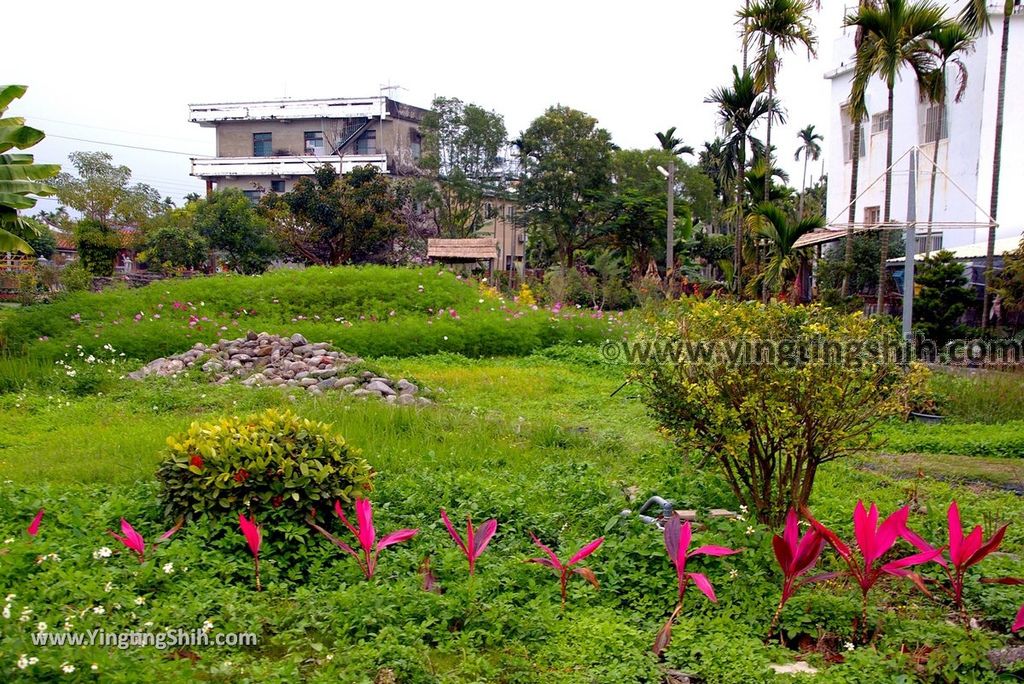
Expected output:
(535, 440)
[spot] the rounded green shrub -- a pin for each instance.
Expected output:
(273, 464)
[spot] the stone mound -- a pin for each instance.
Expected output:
(272, 360)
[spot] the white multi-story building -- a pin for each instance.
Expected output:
(965, 149)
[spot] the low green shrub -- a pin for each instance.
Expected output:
(75, 278)
(1002, 440)
(272, 464)
(985, 397)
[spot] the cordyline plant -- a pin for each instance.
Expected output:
(370, 546)
(874, 540)
(134, 542)
(677, 545)
(964, 553)
(33, 528)
(254, 537)
(796, 556)
(565, 570)
(476, 540)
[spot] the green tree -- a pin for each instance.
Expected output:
(895, 35)
(172, 241)
(104, 192)
(810, 149)
(944, 296)
(775, 227)
(229, 222)
(1010, 283)
(462, 151)
(97, 244)
(337, 220)
(778, 26)
(566, 160)
(20, 176)
(740, 107)
(949, 42)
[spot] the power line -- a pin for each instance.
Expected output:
(114, 130)
(132, 147)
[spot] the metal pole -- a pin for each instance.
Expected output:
(670, 232)
(910, 250)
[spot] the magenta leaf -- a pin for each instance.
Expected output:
(586, 551)
(1018, 624)
(33, 528)
(703, 584)
(396, 538)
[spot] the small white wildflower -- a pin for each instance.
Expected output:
(734, 573)
(330, 656)
(849, 646)
(741, 518)
(102, 552)
(6, 612)
(108, 587)
(94, 667)
(67, 668)
(750, 530)
(41, 627)
(10, 597)
(148, 623)
(9, 540)
(168, 568)
(68, 626)
(743, 509)
(140, 600)
(116, 606)
(22, 661)
(33, 660)
(445, 338)
(99, 610)
(207, 626)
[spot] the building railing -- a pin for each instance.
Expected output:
(305, 165)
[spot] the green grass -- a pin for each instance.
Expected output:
(999, 440)
(979, 396)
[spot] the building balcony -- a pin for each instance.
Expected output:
(227, 167)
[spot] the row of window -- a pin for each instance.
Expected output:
(873, 216)
(880, 124)
(313, 143)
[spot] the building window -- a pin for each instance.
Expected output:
(262, 145)
(277, 186)
(933, 246)
(253, 195)
(931, 125)
(848, 135)
(367, 143)
(872, 216)
(415, 144)
(880, 123)
(314, 143)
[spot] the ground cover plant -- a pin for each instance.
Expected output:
(539, 443)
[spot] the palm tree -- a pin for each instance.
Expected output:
(975, 17)
(670, 143)
(740, 107)
(779, 26)
(810, 149)
(948, 41)
(675, 147)
(895, 34)
(772, 224)
(20, 177)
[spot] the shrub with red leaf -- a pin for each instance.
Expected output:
(796, 556)
(134, 542)
(366, 534)
(254, 538)
(33, 528)
(677, 545)
(565, 570)
(476, 540)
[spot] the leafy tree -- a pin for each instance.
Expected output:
(20, 176)
(97, 244)
(567, 162)
(771, 223)
(462, 150)
(41, 241)
(229, 222)
(336, 220)
(944, 295)
(862, 280)
(104, 192)
(810, 149)
(773, 417)
(894, 34)
(173, 242)
(1010, 284)
(740, 107)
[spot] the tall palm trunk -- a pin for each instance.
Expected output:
(935, 172)
(851, 216)
(997, 159)
(737, 257)
(768, 149)
(887, 212)
(803, 189)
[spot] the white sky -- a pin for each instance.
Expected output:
(124, 72)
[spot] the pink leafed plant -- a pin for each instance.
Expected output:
(677, 544)
(796, 556)
(476, 540)
(33, 528)
(134, 542)
(565, 570)
(874, 540)
(370, 546)
(254, 537)
(1018, 624)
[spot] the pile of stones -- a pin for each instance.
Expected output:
(262, 359)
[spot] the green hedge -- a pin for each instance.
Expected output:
(1005, 440)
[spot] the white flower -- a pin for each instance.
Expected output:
(9, 540)
(99, 610)
(741, 518)
(168, 568)
(6, 611)
(140, 600)
(849, 646)
(750, 530)
(743, 509)
(734, 573)
(33, 660)
(10, 597)
(22, 661)
(108, 586)
(67, 668)
(148, 623)
(445, 338)
(68, 626)
(207, 626)
(102, 552)
(41, 627)
(94, 667)
(330, 656)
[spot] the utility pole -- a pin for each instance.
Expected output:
(910, 250)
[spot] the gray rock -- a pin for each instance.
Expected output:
(325, 373)
(298, 340)
(307, 382)
(379, 386)
(327, 384)
(361, 393)
(406, 400)
(348, 380)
